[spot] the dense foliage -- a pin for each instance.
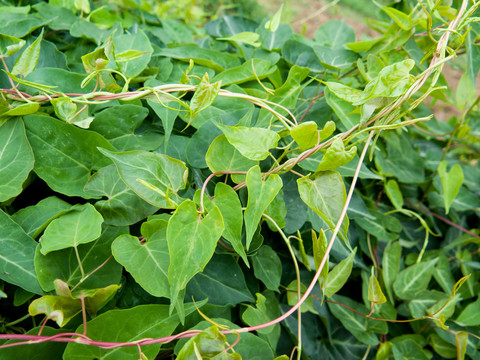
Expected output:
(158, 178)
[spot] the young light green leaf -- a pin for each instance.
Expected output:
(27, 62)
(230, 207)
(252, 142)
(391, 265)
(394, 194)
(392, 81)
(384, 351)
(16, 158)
(325, 194)
(146, 262)
(338, 276)
(344, 92)
(22, 109)
(292, 297)
(204, 96)
(306, 135)
(16, 260)
(414, 279)
(64, 306)
(191, 240)
(375, 294)
(80, 226)
(336, 156)
(260, 194)
(451, 182)
(319, 249)
(246, 37)
(274, 22)
(210, 343)
(401, 19)
(154, 177)
(9, 45)
(267, 267)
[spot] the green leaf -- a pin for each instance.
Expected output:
(64, 162)
(268, 267)
(80, 226)
(16, 158)
(209, 342)
(470, 315)
(222, 282)
(133, 42)
(325, 194)
(147, 262)
(451, 182)
(301, 54)
(410, 347)
(167, 112)
(339, 275)
(375, 293)
(126, 325)
(473, 57)
(223, 156)
(27, 62)
(414, 279)
(443, 275)
(36, 351)
(119, 125)
(286, 95)
(213, 59)
(191, 240)
(391, 265)
(156, 178)
(122, 206)
(363, 328)
(260, 194)
(64, 264)
(250, 70)
(394, 193)
(335, 34)
(401, 160)
(10, 45)
(34, 219)
(401, 19)
(16, 258)
(253, 143)
(336, 156)
(228, 203)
